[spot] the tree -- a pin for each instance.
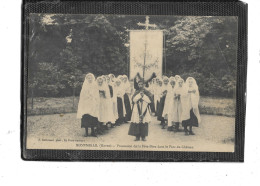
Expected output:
(71, 73)
(66, 47)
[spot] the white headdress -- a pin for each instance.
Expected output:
(172, 79)
(119, 89)
(89, 99)
(112, 77)
(194, 83)
(177, 77)
(194, 96)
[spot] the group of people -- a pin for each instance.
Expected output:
(175, 102)
(111, 101)
(104, 102)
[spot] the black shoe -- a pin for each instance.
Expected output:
(137, 139)
(86, 132)
(186, 133)
(93, 134)
(191, 133)
(143, 139)
(163, 126)
(169, 129)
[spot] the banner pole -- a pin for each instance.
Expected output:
(145, 47)
(164, 53)
(128, 57)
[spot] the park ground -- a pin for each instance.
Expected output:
(52, 123)
(215, 133)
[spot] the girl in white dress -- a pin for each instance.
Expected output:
(169, 106)
(88, 107)
(105, 105)
(111, 85)
(176, 118)
(190, 108)
(157, 94)
(111, 100)
(127, 102)
(151, 89)
(164, 89)
(119, 97)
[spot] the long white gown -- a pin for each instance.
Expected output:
(135, 114)
(190, 100)
(114, 101)
(105, 106)
(89, 99)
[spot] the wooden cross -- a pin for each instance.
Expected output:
(146, 24)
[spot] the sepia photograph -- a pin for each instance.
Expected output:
(133, 93)
(132, 82)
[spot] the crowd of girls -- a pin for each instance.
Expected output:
(106, 101)
(176, 103)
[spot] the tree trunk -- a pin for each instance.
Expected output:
(32, 99)
(73, 104)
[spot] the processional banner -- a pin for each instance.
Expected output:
(146, 53)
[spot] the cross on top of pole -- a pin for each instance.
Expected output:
(146, 24)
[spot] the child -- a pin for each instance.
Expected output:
(127, 88)
(176, 118)
(190, 109)
(169, 106)
(119, 97)
(88, 96)
(157, 95)
(164, 89)
(105, 104)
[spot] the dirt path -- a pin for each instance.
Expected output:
(216, 133)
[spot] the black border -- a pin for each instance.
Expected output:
(213, 8)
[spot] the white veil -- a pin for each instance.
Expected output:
(104, 87)
(89, 99)
(194, 97)
(169, 99)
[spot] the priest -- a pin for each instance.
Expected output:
(141, 114)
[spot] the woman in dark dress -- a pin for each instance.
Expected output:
(151, 88)
(162, 101)
(127, 87)
(157, 95)
(88, 96)
(119, 93)
(190, 110)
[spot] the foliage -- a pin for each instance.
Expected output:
(63, 48)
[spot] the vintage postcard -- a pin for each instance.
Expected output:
(132, 82)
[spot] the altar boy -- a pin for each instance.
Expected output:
(141, 115)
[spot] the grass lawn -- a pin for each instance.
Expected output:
(42, 105)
